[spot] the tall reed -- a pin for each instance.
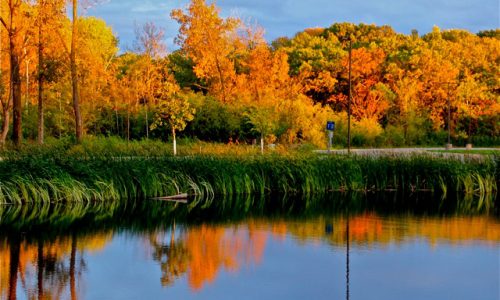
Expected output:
(53, 177)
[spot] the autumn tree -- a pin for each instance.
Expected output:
(47, 13)
(17, 37)
(209, 41)
(150, 40)
(74, 72)
(262, 86)
(147, 70)
(98, 49)
(473, 98)
(173, 110)
(316, 60)
(73, 54)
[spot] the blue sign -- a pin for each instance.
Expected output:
(330, 125)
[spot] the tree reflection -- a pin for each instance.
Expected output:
(173, 257)
(43, 257)
(200, 252)
(14, 252)
(45, 269)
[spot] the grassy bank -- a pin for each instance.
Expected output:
(73, 176)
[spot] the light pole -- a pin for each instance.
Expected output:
(449, 145)
(448, 119)
(349, 101)
(348, 38)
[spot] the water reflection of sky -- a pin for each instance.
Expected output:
(389, 258)
(414, 269)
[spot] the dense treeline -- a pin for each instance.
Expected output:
(65, 76)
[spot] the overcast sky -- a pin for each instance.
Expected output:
(286, 17)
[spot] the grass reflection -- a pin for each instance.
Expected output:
(44, 248)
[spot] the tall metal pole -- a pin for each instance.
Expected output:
(349, 102)
(449, 117)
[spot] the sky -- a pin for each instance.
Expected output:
(287, 17)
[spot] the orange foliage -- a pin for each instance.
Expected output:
(366, 226)
(202, 251)
(209, 41)
(368, 98)
(57, 252)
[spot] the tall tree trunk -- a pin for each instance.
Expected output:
(6, 120)
(15, 77)
(40, 84)
(6, 107)
(16, 97)
(74, 75)
(174, 142)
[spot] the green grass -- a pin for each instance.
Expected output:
(68, 175)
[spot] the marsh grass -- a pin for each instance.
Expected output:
(60, 174)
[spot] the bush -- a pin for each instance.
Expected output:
(366, 132)
(394, 136)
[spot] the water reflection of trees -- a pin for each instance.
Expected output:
(42, 249)
(42, 252)
(44, 269)
(200, 252)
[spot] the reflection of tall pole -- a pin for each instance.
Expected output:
(349, 101)
(347, 259)
(72, 267)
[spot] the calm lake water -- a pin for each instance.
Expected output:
(153, 250)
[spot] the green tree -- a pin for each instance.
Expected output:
(173, 111)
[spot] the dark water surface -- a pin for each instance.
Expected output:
(339, 248)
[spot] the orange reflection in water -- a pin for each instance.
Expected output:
(45, 270)
(204, 250)
(53, 269)
(201, 252)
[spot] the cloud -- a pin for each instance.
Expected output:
(286, 17)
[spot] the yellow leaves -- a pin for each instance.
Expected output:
(368, 128)
(469, 95)
(300, 114)
(173, 109)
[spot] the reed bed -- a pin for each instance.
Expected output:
(52, 177)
